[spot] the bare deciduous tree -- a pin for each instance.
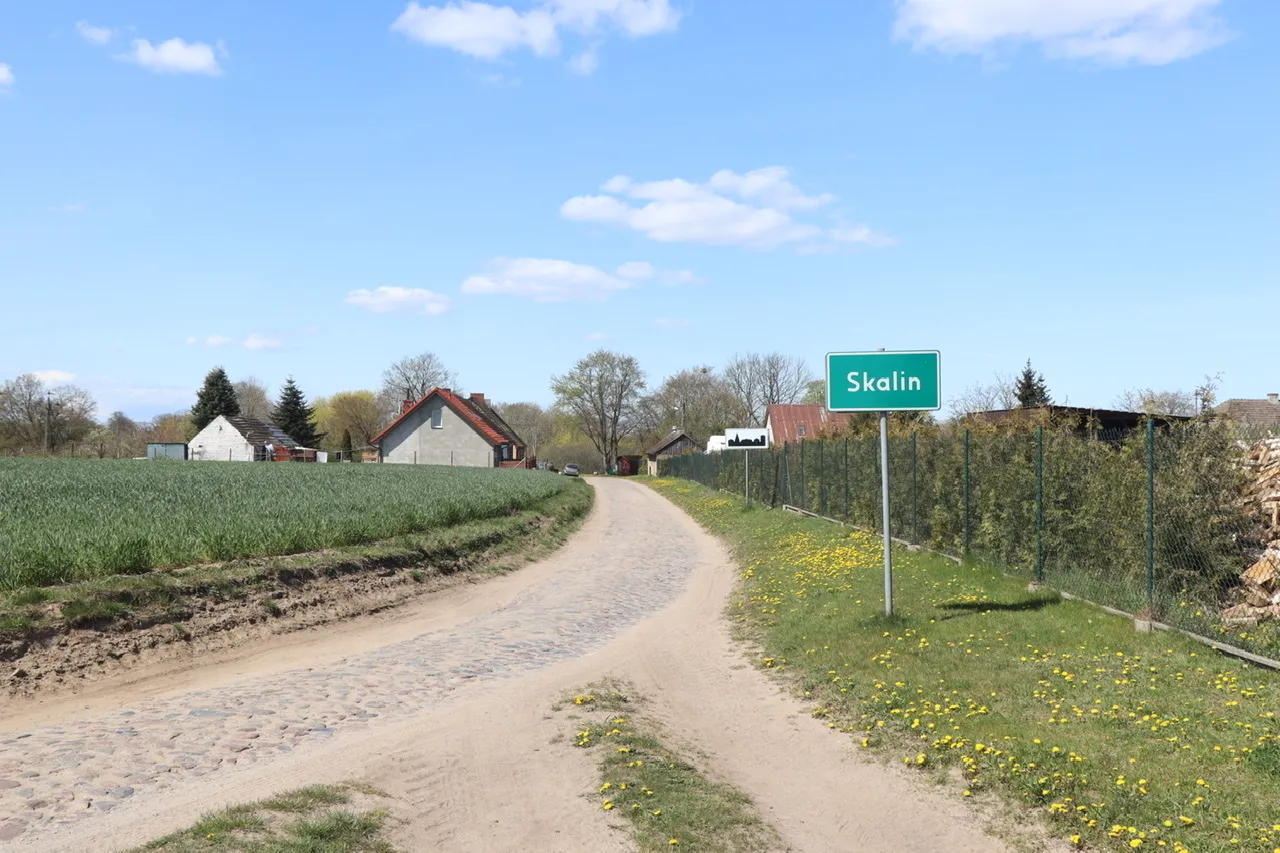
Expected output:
(531, 422)
(410, 379)
(759, 381)
(986, 397)
(602, 391)
(251, 394)
(1154, 402)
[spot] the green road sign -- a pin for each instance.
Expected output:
(884, 381)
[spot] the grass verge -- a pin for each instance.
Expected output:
(1121, 741)
(670, 804)
(317, 819)
(489, 545)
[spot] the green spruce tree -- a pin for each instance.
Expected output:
(217, 397)
(1030, 389)
(294, 417)
(348, 450)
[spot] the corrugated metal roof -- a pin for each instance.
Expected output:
(784, 422)
(260, 432)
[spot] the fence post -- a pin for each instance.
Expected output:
(822, 477)
(1151, 514)
(966, 494)
(846, 478)
(1040, 504)
(762, 458)
(915, 528)
(804, 484)
(786, 470)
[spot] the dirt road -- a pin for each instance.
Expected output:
(447, 707)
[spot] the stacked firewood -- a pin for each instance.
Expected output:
(1258, 595)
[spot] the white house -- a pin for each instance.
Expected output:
(239, 439)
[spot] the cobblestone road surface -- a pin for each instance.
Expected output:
(628, 565)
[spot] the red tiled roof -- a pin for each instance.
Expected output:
(785, 421)
(1253, 412)
(467, 413)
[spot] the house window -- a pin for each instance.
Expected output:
(437, 418)
(800, 430)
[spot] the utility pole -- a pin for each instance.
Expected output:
(48, 424)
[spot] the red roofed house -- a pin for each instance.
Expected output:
(444, 428)
(789, 424)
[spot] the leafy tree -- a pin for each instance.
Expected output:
(217, 397)
(1030, 390)
(34, 418)
(816, 393)
(173, 428)
(695, 400)
(602, 391)
(1206, 394)
(295, 417)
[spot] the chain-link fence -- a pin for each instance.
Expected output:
(1157, 520)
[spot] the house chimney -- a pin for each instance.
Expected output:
(1273, 398)
(479, 398)
(406, 406)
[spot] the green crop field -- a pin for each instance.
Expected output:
(65, 520)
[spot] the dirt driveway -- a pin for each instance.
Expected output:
(447, 707)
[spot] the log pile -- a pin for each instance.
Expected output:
(1259, 592)
(1264, 490)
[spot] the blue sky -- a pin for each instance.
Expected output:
(317, 191)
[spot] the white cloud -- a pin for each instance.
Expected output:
(1117, 32)
(585, 63)
(53, 375)
(754, 209)
(175, 56)
(634, 18)
(488, 31)
(256, 341)
(636, 270)
(6, 75)
(596, 336)
(670, 323)
(94, 35)
(479, 29)
(384, 300)
(210, 341)
(544, 280)
(643, 271)
(680, 277)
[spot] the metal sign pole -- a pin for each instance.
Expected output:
(746, 476)
(884, 501)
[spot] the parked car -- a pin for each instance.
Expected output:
(571, 470)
